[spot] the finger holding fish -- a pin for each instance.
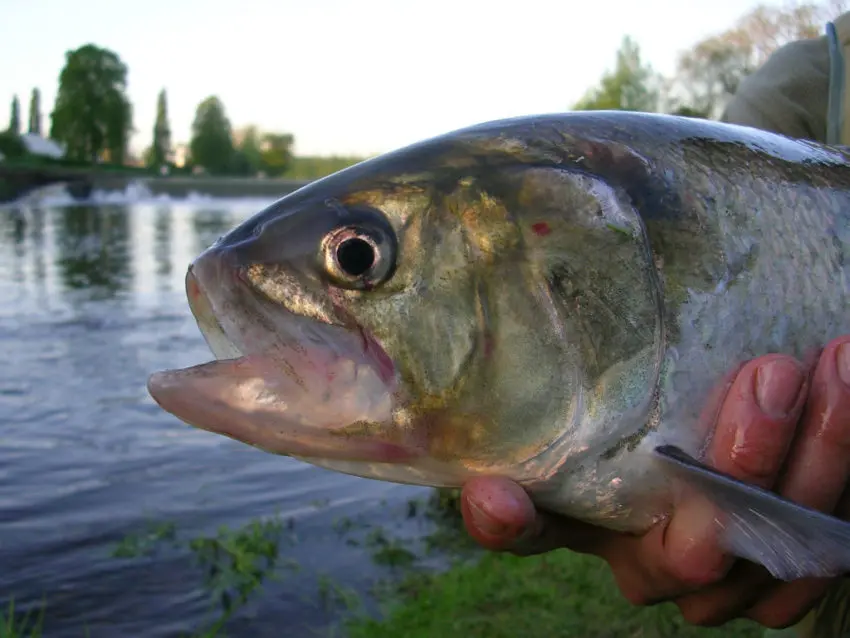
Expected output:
(816, 475)
(754, 430)
(682, 559)
(682, 553)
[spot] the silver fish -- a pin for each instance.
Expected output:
(550, 299)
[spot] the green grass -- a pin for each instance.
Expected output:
(558, 595)
(15, 625)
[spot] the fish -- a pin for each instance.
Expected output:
(548, 298)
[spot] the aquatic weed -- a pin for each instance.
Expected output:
(14, 625)
(148, 541)
(234, 562)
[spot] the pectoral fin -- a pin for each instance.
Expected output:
(790, 540)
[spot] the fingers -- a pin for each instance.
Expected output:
(682, 555)
(819, 465)
(816, 473)
(755, 428)
(758, 420)
(787, 603)
(500, 515)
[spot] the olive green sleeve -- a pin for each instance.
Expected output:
(788, 94)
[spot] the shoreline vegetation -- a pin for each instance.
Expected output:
(473, 594)
(301, 168)
(21, 176)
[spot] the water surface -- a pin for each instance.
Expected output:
(91, 302)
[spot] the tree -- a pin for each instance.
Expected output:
(710, 73)
(35, 113)
(276, 153)
(15, 118)
(687, 111)
(249, 148)
(211, 146)
(631, 86)
(161, 146)
(92, 115)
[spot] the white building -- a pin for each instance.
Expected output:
(38, 145)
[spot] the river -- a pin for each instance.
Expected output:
(91, 302)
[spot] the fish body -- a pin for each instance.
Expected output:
(550, 298)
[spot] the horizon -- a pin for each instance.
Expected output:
(404, 74)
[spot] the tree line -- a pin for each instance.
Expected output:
(34, 125)
(93, 119)
(93, 116)
(709, 73)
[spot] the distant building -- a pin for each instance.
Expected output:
(37, 145)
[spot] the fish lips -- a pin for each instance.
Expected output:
(286, 384)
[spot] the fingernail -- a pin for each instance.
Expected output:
(778, 384)
(843, 360)
(486, 523)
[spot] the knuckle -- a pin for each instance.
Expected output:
(632, 588)
(758, 421)
(757, 463)
(705, 564)
(701, 615)
(693, 579)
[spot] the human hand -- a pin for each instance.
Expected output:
(777, 427)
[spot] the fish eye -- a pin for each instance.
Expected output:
(355, 256)
(359, 256)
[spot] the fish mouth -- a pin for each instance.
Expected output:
(281, 382)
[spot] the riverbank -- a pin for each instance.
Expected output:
(20, 176)
(558, 595)
(15, 182)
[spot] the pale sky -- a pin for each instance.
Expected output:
(347, 76)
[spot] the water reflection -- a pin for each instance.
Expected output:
(162, 246)
(208, 226)
(92, 251)
(109, 251)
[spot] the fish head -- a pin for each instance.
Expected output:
(433, 314)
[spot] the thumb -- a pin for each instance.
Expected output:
(497, 512)
(500, 516)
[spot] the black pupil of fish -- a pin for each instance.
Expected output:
(355, 256)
